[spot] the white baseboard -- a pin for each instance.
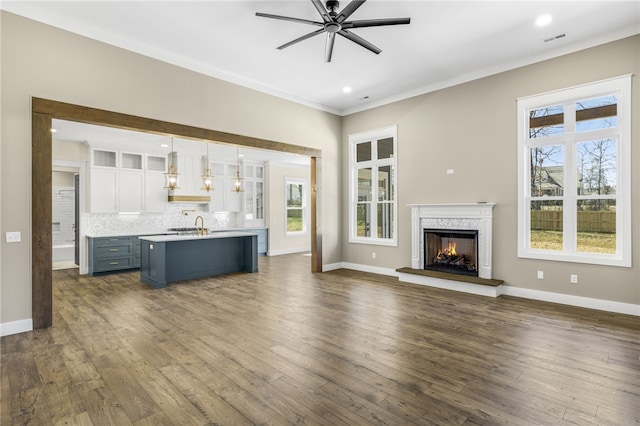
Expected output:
(568, 299)
(332, 267)
(289, 251)
(372, 269)
(15, 327)
(563, 299)
(358, 267)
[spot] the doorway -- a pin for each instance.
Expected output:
(44, 111)
(67, 183)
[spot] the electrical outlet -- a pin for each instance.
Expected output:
(574, 279)
(373, 254)
(541, 275)
(13, 237)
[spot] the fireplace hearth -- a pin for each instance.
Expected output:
(451, 251)
(461, 228)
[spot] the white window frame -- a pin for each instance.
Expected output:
(305, 211)
(372, 136)
(621, 86)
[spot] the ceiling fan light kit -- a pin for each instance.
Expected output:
(336, 23)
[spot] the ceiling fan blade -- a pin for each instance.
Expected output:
(328, 50)
(299, 39)
(348, 10)
(288, 18)
(359, 40)
(321, 10)
(376, 22)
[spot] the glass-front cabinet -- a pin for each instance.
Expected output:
(254, 212)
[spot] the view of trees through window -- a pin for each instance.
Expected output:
(295, 207)
(580, 169)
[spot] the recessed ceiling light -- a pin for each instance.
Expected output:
(53, 130)
(543, 20)
(346, 89)
(164, 145)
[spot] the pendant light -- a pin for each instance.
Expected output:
(171, 177)
(237, 187)
(207, 179)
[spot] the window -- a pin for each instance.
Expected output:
(373, 198)
(296, 206)
(574, 187)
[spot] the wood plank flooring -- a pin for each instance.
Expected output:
(286, 346)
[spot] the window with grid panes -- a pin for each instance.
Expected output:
(575, 174)
(373, 194)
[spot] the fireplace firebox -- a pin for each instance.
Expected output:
(452, 251)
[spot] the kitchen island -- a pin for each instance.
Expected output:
(169, 258)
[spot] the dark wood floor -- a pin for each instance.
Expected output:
(285, 346)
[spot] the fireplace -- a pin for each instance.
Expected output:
(472, 223)
(453, 251)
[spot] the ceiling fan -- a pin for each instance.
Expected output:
(336, 23)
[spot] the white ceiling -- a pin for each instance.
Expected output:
(447, 42)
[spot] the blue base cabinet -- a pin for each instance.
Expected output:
(108, 254)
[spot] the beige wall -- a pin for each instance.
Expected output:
(279, 243)
(59, 178)
(41, 61)
(471, 128)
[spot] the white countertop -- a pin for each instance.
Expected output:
(128, 234)
(165, 232)
(217, 234)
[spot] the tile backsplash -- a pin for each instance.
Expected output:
(175, 216)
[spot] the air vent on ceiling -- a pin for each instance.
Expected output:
(555, 38)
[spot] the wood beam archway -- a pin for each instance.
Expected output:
(44, 111)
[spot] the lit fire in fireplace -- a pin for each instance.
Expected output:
(449, 256)
(450, 250)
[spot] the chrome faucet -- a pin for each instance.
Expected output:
(201, 230)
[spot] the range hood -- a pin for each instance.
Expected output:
(189, 168)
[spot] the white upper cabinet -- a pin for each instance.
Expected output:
(130, 191)
(104, 181)
(126, 182)
(104, 185)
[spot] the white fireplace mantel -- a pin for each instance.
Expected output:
(467, 216)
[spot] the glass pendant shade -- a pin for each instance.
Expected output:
(207, 179)
(171, 177)
(237, 185)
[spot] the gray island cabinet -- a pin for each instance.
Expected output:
(169, 258)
